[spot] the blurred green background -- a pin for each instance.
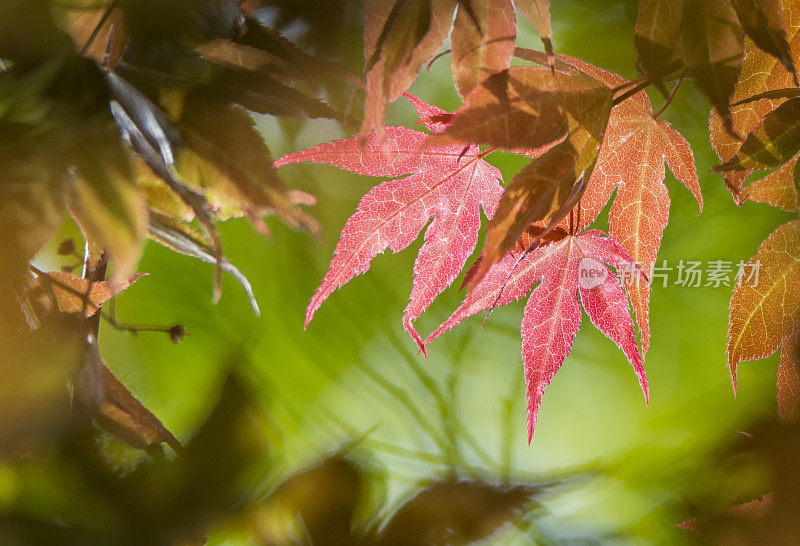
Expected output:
(624, 472)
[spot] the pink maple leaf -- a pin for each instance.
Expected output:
(571, 266)
(631, 159)
(447, 183)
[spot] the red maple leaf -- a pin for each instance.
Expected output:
(632, 157)
(447, 183)
(572, 265)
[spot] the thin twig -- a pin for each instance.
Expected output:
(671, 96)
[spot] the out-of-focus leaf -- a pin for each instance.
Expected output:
(770, 449)
(77, 296)
(657, 35)
(765, 307)
(772, 143)
(483, 45)
(35, 367)
(712, 46)
(97, 29)
(762, 20)
(232, 161)
(127, 418)
(455, 512)
(110, 208)
(31, 210)
(318, 505)
(399, 36)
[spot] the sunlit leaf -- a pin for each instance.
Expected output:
(657, 37)
(560, 273)
(712, 46)
(765, 309)
(772, 143)
(484, 45)
(762, 20)
(399, 36)
(446, 183)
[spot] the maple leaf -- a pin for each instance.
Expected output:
(765, 315)
(447, 183)
(631, 159)
(706, 38)
(763, 22)
(773, 142)
(538, 13)
(482, 41)
(572, 266)
(532, 109)
(400, 35)
(703, 36)
(74, 294)
(761, 72)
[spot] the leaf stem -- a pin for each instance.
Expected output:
(642, 84)
(671, 96)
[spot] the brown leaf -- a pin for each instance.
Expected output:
(399, 36)
(70, 291)
(547, 189)
(324, 498)
(481, 45)
(110, 208)
(35, 367)
(712, 45)
(97, 29)
(455, 512)
(119, 412)
(228, 156)
(656, 38)
(527, 108)
(761, 73)
(776, 189)
(31, 211)
(538, 13)
(762, 20)
(772, 143)
(766, 309)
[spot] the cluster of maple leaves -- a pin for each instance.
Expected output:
(589, 132)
